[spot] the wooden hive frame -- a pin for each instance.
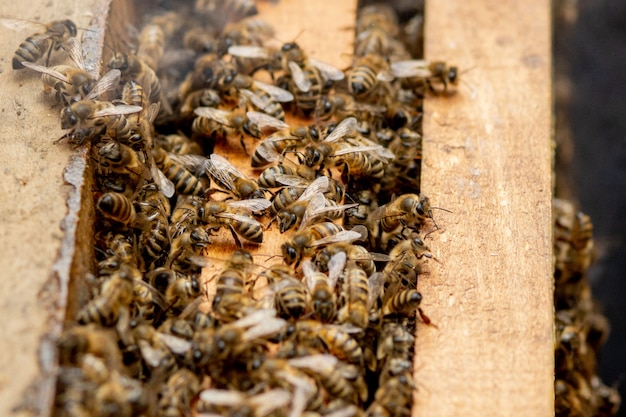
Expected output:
(487, 159)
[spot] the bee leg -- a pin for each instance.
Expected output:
(243, 144)
(237, 241)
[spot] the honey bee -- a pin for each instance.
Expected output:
(272, 148)
(232, 180)
(178, 144)
(367, 74)
(267, 98)
(118, 208)
(220, 124)
(185, 214)
(302, 244)
(134, 69)
(231, 282)
(204, 97)
(355, 296)
(326, 368)
(289, 293)
(322, 287)
(185, 249)
(393, 398)
(176, 396)
(116, 294)
(405, 210)
(293, 213)
(221, 12)
(119, 158)
(155, 242)
(405, 302)
(38, 45)
(342, 106)
(151, 45)
(88, 118)
(333, 339)
(159, 351)
(431, 74)
(184, 181)
(306, 84)
(74, 83)
(236, 215)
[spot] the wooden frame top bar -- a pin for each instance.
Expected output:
(487, 158)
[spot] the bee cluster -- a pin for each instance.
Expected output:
(329, 330)
(580, 328)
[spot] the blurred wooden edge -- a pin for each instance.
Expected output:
(487, 158)
(67, 289)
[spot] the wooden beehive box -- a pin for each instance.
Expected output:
(487, 159)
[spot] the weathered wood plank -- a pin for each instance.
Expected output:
(487, 158)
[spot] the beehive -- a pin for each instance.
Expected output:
(486, 158)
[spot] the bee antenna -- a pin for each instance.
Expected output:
(440, 208)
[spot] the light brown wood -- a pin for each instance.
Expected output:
(487, 158)
(43, 241)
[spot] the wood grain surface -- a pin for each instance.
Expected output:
(487, 158)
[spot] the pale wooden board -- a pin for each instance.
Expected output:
(33, 195)
(487, 159)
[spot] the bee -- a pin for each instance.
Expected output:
(88, 118)
(405, 210)
(231, 282)
(231, 179)
(178, 393)
(185, 249)
(204, 97)
(356, 297)
(296, 185)
(367, 74)
(306, 84)
(303, 243)
(184, 181)
(431, 74)
(333, 339)
(159, 351)
(185, 214)
(273, 147)
(38, 45)
(119, 158)
(116, 294)
(151, 45)
(406, 261)
(293, 213)
(235, 403)
(326, 368)
(178, 143)
(267, 98)
(118, 208)
(322, 287)
(220, 124)
(289, 293)
(404, 303)
(221, 12)
(393, 398)
(342, 106)
(155, 242)
(236, 215)
(134, 69)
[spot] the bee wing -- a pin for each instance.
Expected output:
(167, 187)
(249, 51)
(349, 410)
(48, 71)
(279, 94)
(254, 98)
(386, 76)
(192, 162)
(383, 211)
(318, 363)
(328, 71)
(221, 163)
(318, 202)
(157, 297)
(269, 401)
(255, 205)
(304, 388)
(222, 397)
(376, 283)
(266, 328)
(319, 211)
(309, 273)
(219, 170)
(336, 265)
(152, 356)
(108, 82)
(73, 48)
(299, 78)
(220, 116)
(176, 344)
(267, 153)
(320, 185)
(117, 110)
(293, 180)
(265, 122)
(377, 150)
(343, 236)
(345, 127)
(411, 68)
(19, 24)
